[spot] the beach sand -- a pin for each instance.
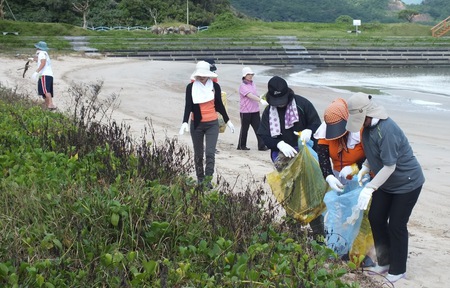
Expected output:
(155, 90)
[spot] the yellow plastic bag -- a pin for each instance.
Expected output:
(222, 124)
(300, 186)
(363, 243)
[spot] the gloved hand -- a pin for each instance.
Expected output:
(35, 76)
(305, 136)
(334, 183)
(364, 170)
(364, 198)
(184, 127)
(286, 149)
(354, 217)
(263, 102)
(349, 170)
(231, 126)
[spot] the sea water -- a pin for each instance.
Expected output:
(419, 87)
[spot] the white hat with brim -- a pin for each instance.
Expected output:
(202, 69)
(41, 45)
(361, 105)
(246, 71)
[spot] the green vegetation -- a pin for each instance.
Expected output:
(86, 205)
(327, 11)
(205, 12)
(226, 29)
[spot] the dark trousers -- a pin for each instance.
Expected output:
(247, 120)
(389, 215)
(204, 140)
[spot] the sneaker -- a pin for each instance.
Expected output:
(209, 186)
(377, 270)
(243, 148)
(367, 262)
(394, 278)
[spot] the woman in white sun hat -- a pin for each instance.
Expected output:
(203, 101)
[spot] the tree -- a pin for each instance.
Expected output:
(407, 14)
(82, 8)
(154, 14)
(2, 13)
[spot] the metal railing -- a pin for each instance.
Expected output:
(133, 28)
(441, 28)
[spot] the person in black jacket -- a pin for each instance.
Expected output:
(288, 113)
(203, 101)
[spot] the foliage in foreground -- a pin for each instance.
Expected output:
(85, 205)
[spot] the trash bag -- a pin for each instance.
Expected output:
(299, 187)
(344, 238)
(363, 243)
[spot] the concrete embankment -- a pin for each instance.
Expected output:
(284, 51)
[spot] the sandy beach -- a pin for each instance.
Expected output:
(155, 90)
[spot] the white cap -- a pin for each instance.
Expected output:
(247, 70)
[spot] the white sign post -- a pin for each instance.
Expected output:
(357, 23)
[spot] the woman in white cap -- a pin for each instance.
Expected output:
(249, 110)
(203, 101)
(44, 74)
(394, 189)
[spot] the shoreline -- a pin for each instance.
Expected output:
(155, 90)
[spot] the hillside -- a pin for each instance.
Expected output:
(204, 12)
(327, 11)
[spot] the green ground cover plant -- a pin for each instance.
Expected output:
(85, 204)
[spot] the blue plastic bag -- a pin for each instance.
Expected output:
(341, 235)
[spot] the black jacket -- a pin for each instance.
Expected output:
(308, 119)
(195, 108)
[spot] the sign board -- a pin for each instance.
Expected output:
(356, 22)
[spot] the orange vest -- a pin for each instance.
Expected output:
(346, 158)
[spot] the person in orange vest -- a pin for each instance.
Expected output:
(203, 101)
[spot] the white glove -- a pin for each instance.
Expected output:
(364, 198)
(231, 126)
(349, 170)
(354, 217)
(364, 170)
(334, 183)
(305, 136)
(35, 76)
(263, 102)
(286, 149)
(184, 127)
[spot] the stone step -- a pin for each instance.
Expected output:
(287, 51)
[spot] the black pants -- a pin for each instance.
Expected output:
(204, 139)
(389, 215)
(247, 120)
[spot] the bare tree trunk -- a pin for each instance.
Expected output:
(84, 9)
(2, 13)
(153, 14)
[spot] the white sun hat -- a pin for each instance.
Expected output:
(202, 69)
